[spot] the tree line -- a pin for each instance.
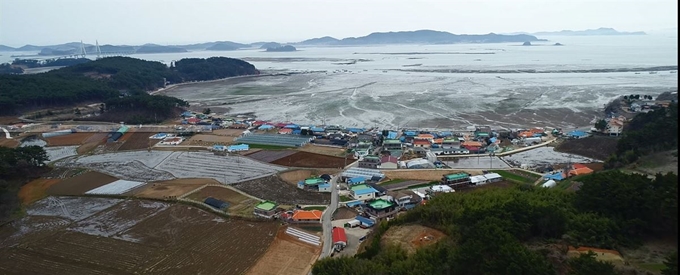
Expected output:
(17, 165)
(647, 133)
(487, 229)
(109, 78)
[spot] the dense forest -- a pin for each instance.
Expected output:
(9, 69)
(34, 63)
(488, 229)
(647, 133)
(17, 166)
(120, 82)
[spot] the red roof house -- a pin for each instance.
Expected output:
(339, 236)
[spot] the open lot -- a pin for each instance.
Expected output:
(270, 155)
(412, 237)
(138, 140)
(544, 156)
(403, 184)
(70, 139)
(286, 256)
(595, 147)
(35, 190)
(70, 235)
(273, 188)
(312, 160)
(91, 143)
(478, 162)
(423, 175)
(171, 188)
(80, 184)
(60, 152)
(239, 204)
(212, 138)
(296, 175)
(228, 132)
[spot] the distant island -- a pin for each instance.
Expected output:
(419, 37)
(526, 43)
(268, 45)
(222, 47)
(286, 48)
(600, 31)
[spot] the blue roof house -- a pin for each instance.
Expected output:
(356, 180)
(392, 135)
(265, 127)
(238, 147)
(554, 176)
(577, 134)
(292, 126)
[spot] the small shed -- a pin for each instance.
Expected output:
(365, 221)
(339, 238)
(221, 205)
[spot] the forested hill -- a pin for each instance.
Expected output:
(108, 79)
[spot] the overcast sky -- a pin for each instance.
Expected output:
(42, 22)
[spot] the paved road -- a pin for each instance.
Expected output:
(326, 219)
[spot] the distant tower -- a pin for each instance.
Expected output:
(99, 51)
(83, 53)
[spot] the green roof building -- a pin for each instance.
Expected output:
(380, 204)
(265, 209)
(314, 181)
(457, 178)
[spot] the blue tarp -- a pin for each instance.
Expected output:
(577, 134)
(493, 139)
(265, 127)
(445, 134)
(354, 203)
(239, 147)
(317, 129)
(410, 133)
(556, 176)
(292, 126)
(402, 139)
(391, 135)
(297, 132)
(355, 130)
(366, 221)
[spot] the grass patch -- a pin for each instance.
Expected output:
(423, 185)
(312, 228)
(392, 181)
(320, 208)
(652, 267)
(514, 177)
(268, 147)
(344, 198)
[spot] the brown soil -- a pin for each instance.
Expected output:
(294, 176)
(412, 237)
(286, 256)
(228, 132)
(652, 251)
(273, 188)
(330, 151)
(80, 184)
(35, 190)
(11, 143)
(67, 140)
(596, 147)
(171, 189)
(212, 138)
(239, 204)
(269, 155)
(177, 240)
(91, 143)
(312, 160)
(7, 120)
(344, 213)
(138, 141)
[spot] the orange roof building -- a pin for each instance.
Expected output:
(525, 134)
(471, 144)
(425, 136)
(304, 215)
(286, 131)
(579, 169)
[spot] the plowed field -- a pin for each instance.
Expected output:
(286, 256)
(171, 188)
(80, 184)
(129, 237)
(275, 189)
(312, 160)
(137, 141)
(71, 139)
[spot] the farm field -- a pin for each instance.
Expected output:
(412, 237)
(106, 236)
(402, 184)
(293, 176)
(273, 188)
(312, 160)
(225, 169)
(228, 132)
(60, 152)
(270, 155)
(324, 150)
(239, 204)
(286, 256)
(11, 143)
(80, 184)
(171, 188)
(212, 139)
(592, 147)
(91, 143)
(70, 139)
(137, 141)
(35, 190)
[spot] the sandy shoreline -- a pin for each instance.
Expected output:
(172, 86)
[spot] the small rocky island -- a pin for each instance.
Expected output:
(286, 48)
(558, 44)
(526, 43)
